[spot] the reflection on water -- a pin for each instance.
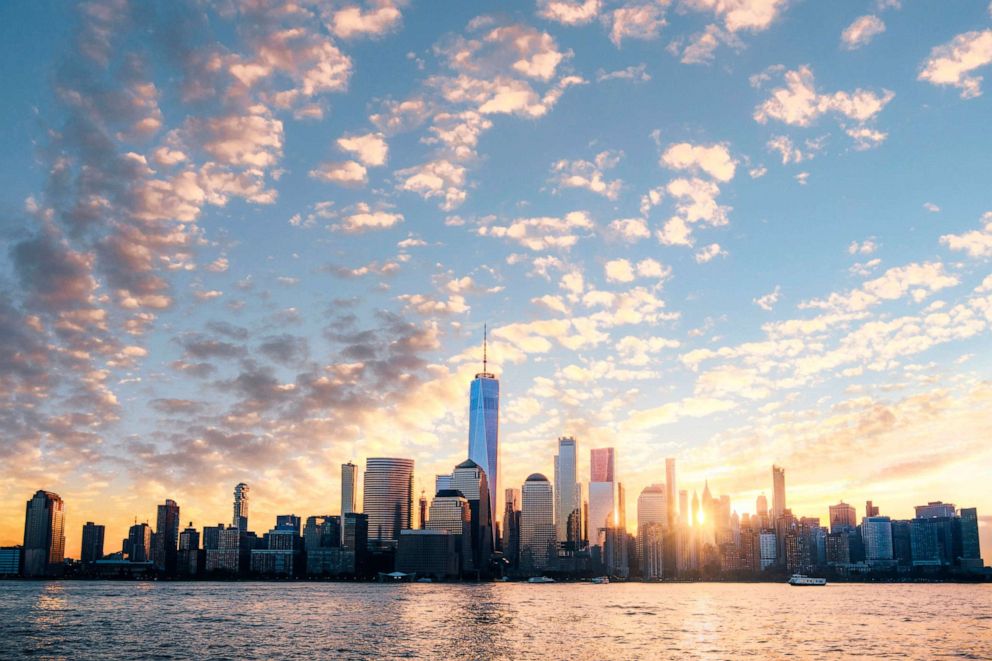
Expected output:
(78, 620)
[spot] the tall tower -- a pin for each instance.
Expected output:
(167, 537)
(348, 473)
(44, 535)
(670, 491)
(92, 548)
(602, 494)
(537, 523)
(388, 497)
(483, 429)
(778, 491)
(568, 502)
(241, 507)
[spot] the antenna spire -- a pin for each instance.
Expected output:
(485, 347)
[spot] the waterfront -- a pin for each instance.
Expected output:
(105, 620)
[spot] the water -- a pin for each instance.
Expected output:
(103, 620)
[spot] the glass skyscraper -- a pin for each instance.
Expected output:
(388, 497)
(483, 432)
(44, 535)
(568, 501)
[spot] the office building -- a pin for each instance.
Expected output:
(568, 497)
(92, 546)
(189, 558)
(349, 486)
(232, 554)
(388, 498)
(767, 549)
(870, 509)
(240, 519)
(843, 517)
(650, 549)
(602, 495)
(876, 533)
(511, 527)
(483, 436)
(166, 537)
(537, 524)
(935, 509)
(44, 535)
(671, 492)
(652, 508)
(427, 553)
(971, 552)
(778, 491)
(139, 543)
(10, 561)
(450, 511)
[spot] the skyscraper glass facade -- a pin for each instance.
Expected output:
(483, 431)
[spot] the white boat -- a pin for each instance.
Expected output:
(540, 579)
(600, 580)
(802, 579)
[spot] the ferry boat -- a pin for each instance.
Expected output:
(540, 579)
(802, 579)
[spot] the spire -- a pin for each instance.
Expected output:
(485, 346)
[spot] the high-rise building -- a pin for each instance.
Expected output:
(670, 491)
(166, 537)
(876, 532)
(761, 505)
(652, 520)
(92, 547)
(450, 511)
(537, 523)
(971, 552)
(44, 535)
(349, 481)
(240, 519)
(778, 491)
(871, 509)
(767, 549)
(139, 543)
(422, 519)
(935, 509)
(469, 479)
(843, 517)
(10, 561)
(483, 433)
(684, 507)
(428, 553)
(650, 550)
(602, 495)
(189, 558)
(568, 498)
(511, 526)
(388, 497)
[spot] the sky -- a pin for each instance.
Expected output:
(249, 241)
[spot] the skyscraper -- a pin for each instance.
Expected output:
(871, 509)
(761, 505)
(684, 507)
(470, 480)
(843, 517)
(778, 491)
(876, 531)
(240, 519)
(568, 500)
(511, 526)
(167, 537)
(349, 472)
(652, 520)
(139, 543)
(483, 430)
(44, 535)
(92, 547)
(388, 497)
(537, 523)
(670, 491)
(602, 494)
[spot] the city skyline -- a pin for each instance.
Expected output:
(252, 243)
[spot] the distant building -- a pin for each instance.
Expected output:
(232, 554)
(971, 553)
(870, 509)
(652, 514)
(934, 541)
(650, 549)
(282, 554)
(843, 517)
(322, 541)
(240, 518)
(388, 497)
(470, 479)
(876, 531)
(349, 492)
(768, 549)
(10, 560)
(602, 494)
(902, 543)
(91, 549)
(189, 558)
(838, 548)
(166, 537)
(537, 525)
(670, 493)
(483, 439)
(935, 509)
(568, 497)
(778, 491)
(44, 535)
(427, 553)
(139, 543)
(511, 527)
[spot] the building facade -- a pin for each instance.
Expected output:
(388, 497)
(44, 535)
(537, 524)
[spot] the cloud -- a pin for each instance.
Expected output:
(544, 232)
(800, 104)
(866, 247)
(370, 149)
(767, 301)
(352, 22)
(589, 175)
(619, 270)
(569, 12)
(714, 160)
(861, 31)
(738, 15)
(931, 207)
(690, 407)
(630, 230)
(976, 243)
(917, 279)
(696, 204)
(346, 173)
(636, 21)
(635, 73)
(700, 47)
(953, 63)
(709, 252)
(433, 179)
(363, 218)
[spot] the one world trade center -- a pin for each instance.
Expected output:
(483, 429)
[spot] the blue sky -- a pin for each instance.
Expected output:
(249, 241)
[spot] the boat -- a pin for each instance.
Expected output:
(802, 579)
(600, 580)
(540, 579)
